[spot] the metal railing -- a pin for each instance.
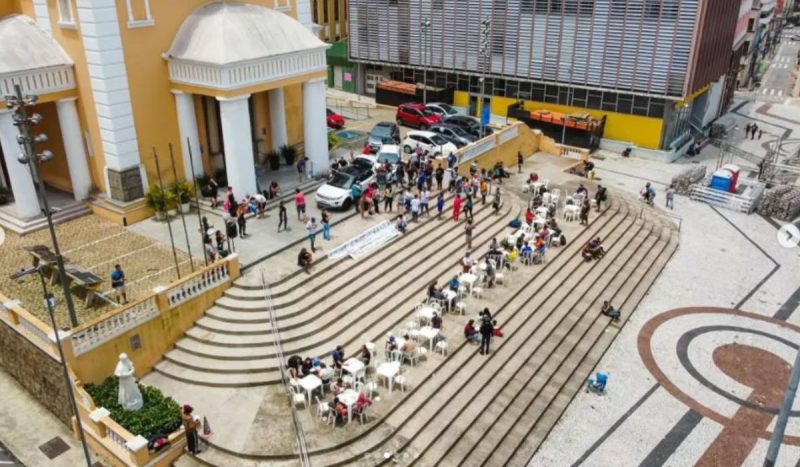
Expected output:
(302, 449)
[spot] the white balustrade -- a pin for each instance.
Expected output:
(34, 330)
(210, 278)
(114, 325)
(477, 149)
(117, 438)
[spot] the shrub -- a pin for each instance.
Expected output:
(333, 140)
(182, 190)
(159, 414)
(221, 177)
(274, 159)
(158, 199)
(289, 154)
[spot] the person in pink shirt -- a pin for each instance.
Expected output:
(456, 207)
(300, 203)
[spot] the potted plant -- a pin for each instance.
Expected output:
(289, 154)
(182, 191)
(157, 199)
(274, 160)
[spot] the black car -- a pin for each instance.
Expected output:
(383, 133)
(453, 133)
(469, 124)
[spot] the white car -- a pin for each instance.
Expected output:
(443, 110)
(336, 192)
(428, 141)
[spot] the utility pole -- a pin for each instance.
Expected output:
(424, 25)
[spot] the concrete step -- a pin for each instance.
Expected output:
(205, 378)
(215, 365)
(26, 226)
(347, 330)
(460, 366)
(550, 360)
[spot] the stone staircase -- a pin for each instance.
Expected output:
(344, 303)
(462, 408)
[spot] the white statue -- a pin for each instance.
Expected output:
(130, 398)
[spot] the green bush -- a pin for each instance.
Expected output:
(333, 140)
(289, 154)
(159, 414)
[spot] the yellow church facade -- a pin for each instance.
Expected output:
(221, 81)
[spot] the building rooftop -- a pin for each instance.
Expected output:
(26, 47)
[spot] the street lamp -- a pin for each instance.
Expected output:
(484, 53)
(17, 104)
(50, 303)
(424, 25)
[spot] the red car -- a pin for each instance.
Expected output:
(416, 115)
(334, 120)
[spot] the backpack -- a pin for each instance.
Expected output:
(563, 240)
(231, 230)
(515, 224)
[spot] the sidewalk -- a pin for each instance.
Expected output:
(25, 425)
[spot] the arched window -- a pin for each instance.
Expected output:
(139, 13)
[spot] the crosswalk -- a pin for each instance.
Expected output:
(772, 92)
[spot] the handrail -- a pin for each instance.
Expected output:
(276, 338)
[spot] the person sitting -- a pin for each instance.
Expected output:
(304, 260)
(324, 373)
(588, 166)
(529, 216)
(402, 224)
(453, 284)
(527, 252)
(307, 366)
(409, 347)
(340, 409)
(338, 357)
(609, 310)
(497, 331)
(467, 262)
(533, 177)
(540, 246)
(391, 345)
(365, 356)
(493, 246)
(552, 224)
(520, 242)
(274, 190)
(338, 387)
(470, 333)
(586, 253)
(361, 403)
(596, 247)
(436, 321)
(511, 257)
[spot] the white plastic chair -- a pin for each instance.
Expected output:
(298, 398)
(441, 347)
(477, 291)
(323, 409)
(362, 415)
(460, 308)
(402, 381)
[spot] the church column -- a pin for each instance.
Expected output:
(73, 145)
(277, 118)
(25, 200)
(315, 128)
(238, 141)
(187, 127)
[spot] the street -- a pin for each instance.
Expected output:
(779, 77)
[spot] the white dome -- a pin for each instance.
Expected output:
(27, 48)
(224, 33)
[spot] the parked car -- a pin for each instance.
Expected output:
(453, 133)
(334, 120)
(416, 115)
(441, 109)
(335, 193)
(382, 132)
(469, 124)
(428, 141)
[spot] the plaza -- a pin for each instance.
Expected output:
(547, 292)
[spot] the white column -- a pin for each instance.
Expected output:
(73, 146)
(315, 129)
(277, 118)
(25, 199)
(187, 126)
(238, 141)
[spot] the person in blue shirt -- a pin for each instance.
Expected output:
(118, 284)
(453, 284)
(451, 160)
(526, 250)
(338, 357)
(439, 205)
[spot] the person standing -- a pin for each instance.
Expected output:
(600, 196)
(671, 197)
(468, 208)
(520, 160)
(584, 216)
(312, 228)
(190, 427)
(753, 130)
(282, 217)
(415, 203)
(424, 202)
(484, 188)
(388, 198)
(439, 175)
(486, 330)
(300, 204)
(456, 207)
(747, 129)
(355, 192)
(497, 200)
(301, 168)
(326, 225)
(241, 220)
(210, 251)
(118, 284)
(439, 204)
(760, 132)
(468, 227)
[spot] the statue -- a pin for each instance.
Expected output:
(130, 398)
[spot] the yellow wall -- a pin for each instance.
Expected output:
(293, 100)
(642, 131)
(55, 172)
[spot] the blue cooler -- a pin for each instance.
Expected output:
(721, 180)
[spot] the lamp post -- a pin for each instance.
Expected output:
(484, 53)
(50, 303)
(424, 25)
(17, 103)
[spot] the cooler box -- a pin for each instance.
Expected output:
(734, 170)
(721, 180)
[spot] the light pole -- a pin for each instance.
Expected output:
(484, 52)
(424, 25)
(569, 104)
(49, 302)
(17, 104)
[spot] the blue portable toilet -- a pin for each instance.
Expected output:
(721, 180)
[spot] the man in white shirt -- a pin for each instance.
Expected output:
(424, 201)
(415, 203)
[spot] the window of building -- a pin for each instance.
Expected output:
(526, 7)
(65, 18)
(139, 13)
(669, 9)
(652, 9)
(586, 7)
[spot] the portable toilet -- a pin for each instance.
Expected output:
(734, 170)
(721, 180)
